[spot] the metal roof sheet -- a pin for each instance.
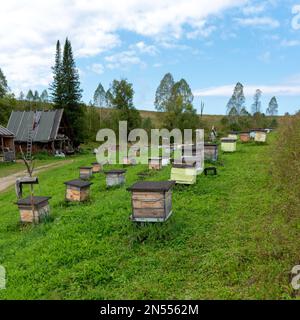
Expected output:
(5, 132)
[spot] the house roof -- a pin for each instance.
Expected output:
(5, 132)
(46, 129)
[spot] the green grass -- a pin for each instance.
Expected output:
(221, 242)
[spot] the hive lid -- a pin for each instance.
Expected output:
(95, 163)
(144, 186)
(78, 183)
(258, 130)
(234, 132)
(207, 144)
(115, 172)
(88, 168)
(228, 140)
(183, 166)
(34, 200)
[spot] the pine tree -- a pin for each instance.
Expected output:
(256, 106)
(30, 96)
(36, 97)
(237, 100)
(21, 96)
(56, 88)
(273, 107)
(163, 92)
(3, 85)
(44, 96)
(100, 97)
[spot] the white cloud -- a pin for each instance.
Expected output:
(290, 43)
(29, 29)
(259, 22)
(143, 48)
(249, 90)
(254, 9)
(123, 60)
(97, 68)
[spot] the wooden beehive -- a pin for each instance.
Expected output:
(211, 152)
(228, 145)
(185, 173)
(85, 173)
(152, 201)
(260, 136)
(233, 135)
(115, 177)
(77, 190)
(97, 167)
(155, 163)
(34, 209)
(245, 137)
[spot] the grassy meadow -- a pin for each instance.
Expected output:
(225, 240)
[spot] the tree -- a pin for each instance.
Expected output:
(237, 100)
(121, 99)
(56, 88)
(256, 106)
(21, 96)
(44, 96)
(36, 96)
(202, 108)
(163, 92)
(3, 85)
(100, 97)
(272, 110)
(30, 96)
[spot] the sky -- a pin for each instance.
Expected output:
(213, 44)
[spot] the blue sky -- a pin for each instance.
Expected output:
(211, 43)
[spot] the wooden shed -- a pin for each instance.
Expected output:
(34, 209)
(211, 152)
(7, 145)
(155, 163)
(151, 201)
(85, 173)
(228, 145)
(245, 137)
(115, 178)
(184, 173)
(77, 190)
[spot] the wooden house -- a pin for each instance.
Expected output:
(34, 209)
(211, 152)
(185, 173)
(85, 173)
(50, 130)
(7, 145)
(151, 201)
(115, 178)
(77, 190)
(155, 163)
(228, 145)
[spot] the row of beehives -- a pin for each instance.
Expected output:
(151, 201)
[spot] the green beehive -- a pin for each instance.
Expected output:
(184, 173)
(228, 145)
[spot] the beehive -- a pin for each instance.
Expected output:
(233, 135)
(192, 155)
(115, 178)
(151, 201)
(85, 173)
(97, 167)
(77, 190)
(155, 163)
(211, 152)
(184, 173)
(34, 209)
(228, 145)
(245, 137)
(260, 136)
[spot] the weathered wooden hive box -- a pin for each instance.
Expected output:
(115, 177)
(155, 163)
(152, 201)
(77, 190)
(245, 137)
(34, 209)
(228, 145)
(184, 173)
(233, 135)
(97, 167)
(85, 173)
(260, 136)
(211, 152)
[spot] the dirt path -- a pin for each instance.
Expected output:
(10, 180)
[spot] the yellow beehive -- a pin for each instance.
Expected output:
(228, 145)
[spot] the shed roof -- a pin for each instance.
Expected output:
(46, 127)
(5, 132)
